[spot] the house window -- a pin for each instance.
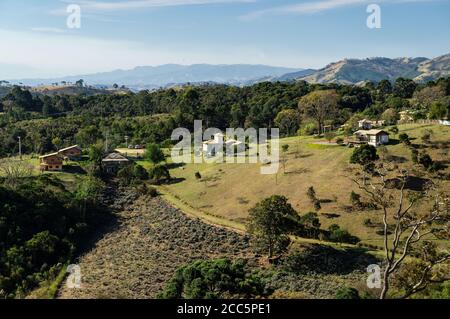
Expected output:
(50, 166)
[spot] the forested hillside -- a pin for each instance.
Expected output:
(42, 225)
(151, 116)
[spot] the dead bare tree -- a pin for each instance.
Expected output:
(416, 217)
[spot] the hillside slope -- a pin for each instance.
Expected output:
(351, 71)
(435, 68)
(228, 191)
(73, 90)
(152, 239)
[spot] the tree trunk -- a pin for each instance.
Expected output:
(270, 249)
(385, 284)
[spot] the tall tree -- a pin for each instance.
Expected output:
(79, 83)
(270, 222)
(404, 88)
(319, 106)
(288, 121)
(154, 154)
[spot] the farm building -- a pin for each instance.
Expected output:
(231, 144)
(212, 147)
(216, 145)
(114, 162)
(368, 124)
(51, 162)
(406, 116)
(372, 137)
(73, 152)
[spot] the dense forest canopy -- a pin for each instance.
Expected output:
(41, 227)
(151, 116)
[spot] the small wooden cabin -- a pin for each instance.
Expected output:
(372, 137)
(72, 152)
(51, 162)
(114, 162)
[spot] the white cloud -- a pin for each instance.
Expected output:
(89, 5)
(312, 7)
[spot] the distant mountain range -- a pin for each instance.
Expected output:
(149, 77)
(348, 71)
(352, 71)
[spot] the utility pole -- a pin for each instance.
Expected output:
(106, 143)
(126, 141)
(20, 148)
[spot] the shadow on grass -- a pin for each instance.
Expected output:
(74, 169)
(413, 183)
(327, 260)
(443, 164)
(444, 176)
(396, 159)
(297, 171)
(441, 144)
(393, 141)
(331, 215)
(175, 165)
(175, 180)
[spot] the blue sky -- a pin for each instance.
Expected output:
(120, 34)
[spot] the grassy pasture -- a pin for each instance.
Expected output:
(227, 191)
(71, 175)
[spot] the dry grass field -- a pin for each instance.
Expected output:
(227, 191)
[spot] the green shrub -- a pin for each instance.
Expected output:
(425, 160)
(154, 154)
(212, 279)
(414, 156)
(140, 173)
(159, 173)
(338, 235)
(347, 293)
(367, 222)
(168, 143)
(152, 192)
(308, 129)
(404, 138)
(364, 155)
